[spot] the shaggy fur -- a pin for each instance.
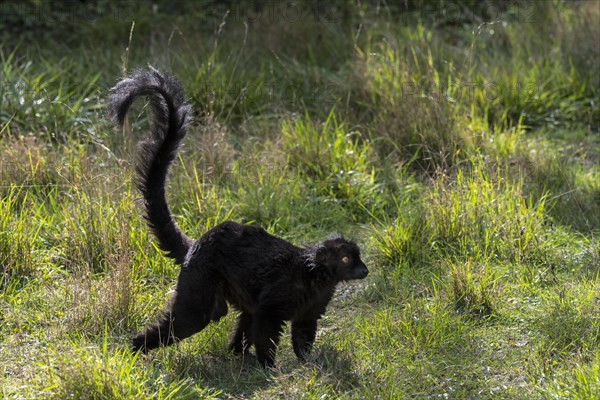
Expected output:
(267, 279)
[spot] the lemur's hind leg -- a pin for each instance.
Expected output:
(241, 339)
(219, 308)
(192, 307)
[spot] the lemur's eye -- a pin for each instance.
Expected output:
(345, 260)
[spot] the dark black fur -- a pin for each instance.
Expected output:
(267, 278)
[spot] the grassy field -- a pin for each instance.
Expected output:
(459, 146)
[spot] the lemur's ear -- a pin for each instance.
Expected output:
(323, 255)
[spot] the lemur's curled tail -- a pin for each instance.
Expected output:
(171, 115)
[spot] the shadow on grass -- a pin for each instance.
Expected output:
(335, 368)
(235, 375)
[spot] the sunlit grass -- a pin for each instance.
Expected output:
(463, 158)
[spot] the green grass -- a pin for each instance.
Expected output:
(463, 157)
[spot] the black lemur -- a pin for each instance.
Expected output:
(268, 279)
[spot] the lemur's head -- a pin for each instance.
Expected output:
(342, 258)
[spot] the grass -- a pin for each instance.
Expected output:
(460, 149)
